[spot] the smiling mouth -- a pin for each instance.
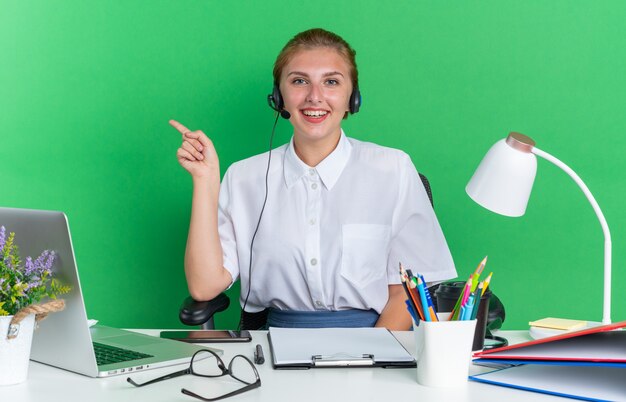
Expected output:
(315, 113)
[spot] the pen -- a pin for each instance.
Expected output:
(258, 355)
(411, 312)
(429, 311)
(431, 305)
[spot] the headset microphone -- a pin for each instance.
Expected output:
(285, 114)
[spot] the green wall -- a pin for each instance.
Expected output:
(87, 88)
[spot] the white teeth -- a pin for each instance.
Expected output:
(315, 113)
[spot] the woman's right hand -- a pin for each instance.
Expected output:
(197, 154)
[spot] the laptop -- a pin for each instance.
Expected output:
(64, 339)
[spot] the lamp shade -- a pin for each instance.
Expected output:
(504, 179)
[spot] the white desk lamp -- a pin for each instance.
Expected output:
(503, 181)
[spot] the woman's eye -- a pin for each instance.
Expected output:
(332, 82)
(299, 81)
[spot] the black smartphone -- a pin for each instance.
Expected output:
(203, 336)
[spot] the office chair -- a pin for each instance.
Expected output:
(201, 313)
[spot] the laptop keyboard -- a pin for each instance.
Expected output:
(106, 354)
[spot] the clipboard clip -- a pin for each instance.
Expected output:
(342, 360)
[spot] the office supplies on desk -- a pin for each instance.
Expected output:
(443, 349)
(600, 344)
(336, 347)
(64, 339)
(421, 303)
(547, 327)
(259, 357)
(558, 323)
(587, 364)
(448, 293)
(578, 382)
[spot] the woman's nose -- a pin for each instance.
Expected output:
(315, 94)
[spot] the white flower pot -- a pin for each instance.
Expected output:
(15, 353)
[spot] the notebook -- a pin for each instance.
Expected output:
(64, 339)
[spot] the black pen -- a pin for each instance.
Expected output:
(258, 355)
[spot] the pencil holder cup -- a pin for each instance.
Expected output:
(444, 351)
(447, 295)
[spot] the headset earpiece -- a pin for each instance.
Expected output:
(275, 101)
(355, 101)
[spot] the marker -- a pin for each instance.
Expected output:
(429, 299)
(469, 308)
(258, 355)
(479, 293)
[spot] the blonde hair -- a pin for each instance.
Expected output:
(315, 38)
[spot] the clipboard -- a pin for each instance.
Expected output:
(305, 348)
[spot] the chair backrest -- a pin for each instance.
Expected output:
(254, 321)
(429, 192)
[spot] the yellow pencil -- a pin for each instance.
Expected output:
(486, 282)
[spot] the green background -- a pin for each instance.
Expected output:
(87, 88)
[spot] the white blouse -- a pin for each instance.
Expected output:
(331, 237)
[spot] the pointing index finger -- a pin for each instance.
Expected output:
(181, 129)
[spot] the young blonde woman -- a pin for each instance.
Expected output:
(340, 214)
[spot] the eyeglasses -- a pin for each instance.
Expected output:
(240, 368)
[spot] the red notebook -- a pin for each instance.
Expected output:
(605, 344)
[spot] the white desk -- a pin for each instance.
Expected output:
(351, 384)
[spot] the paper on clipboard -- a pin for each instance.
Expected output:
(336, 347)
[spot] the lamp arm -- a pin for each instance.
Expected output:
(606, 312)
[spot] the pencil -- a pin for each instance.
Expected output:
(412, 297)
(486, 281)
(480, 267)
(477, 272)
(461, 300)
(422, 309)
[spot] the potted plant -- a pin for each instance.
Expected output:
(23, 287)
